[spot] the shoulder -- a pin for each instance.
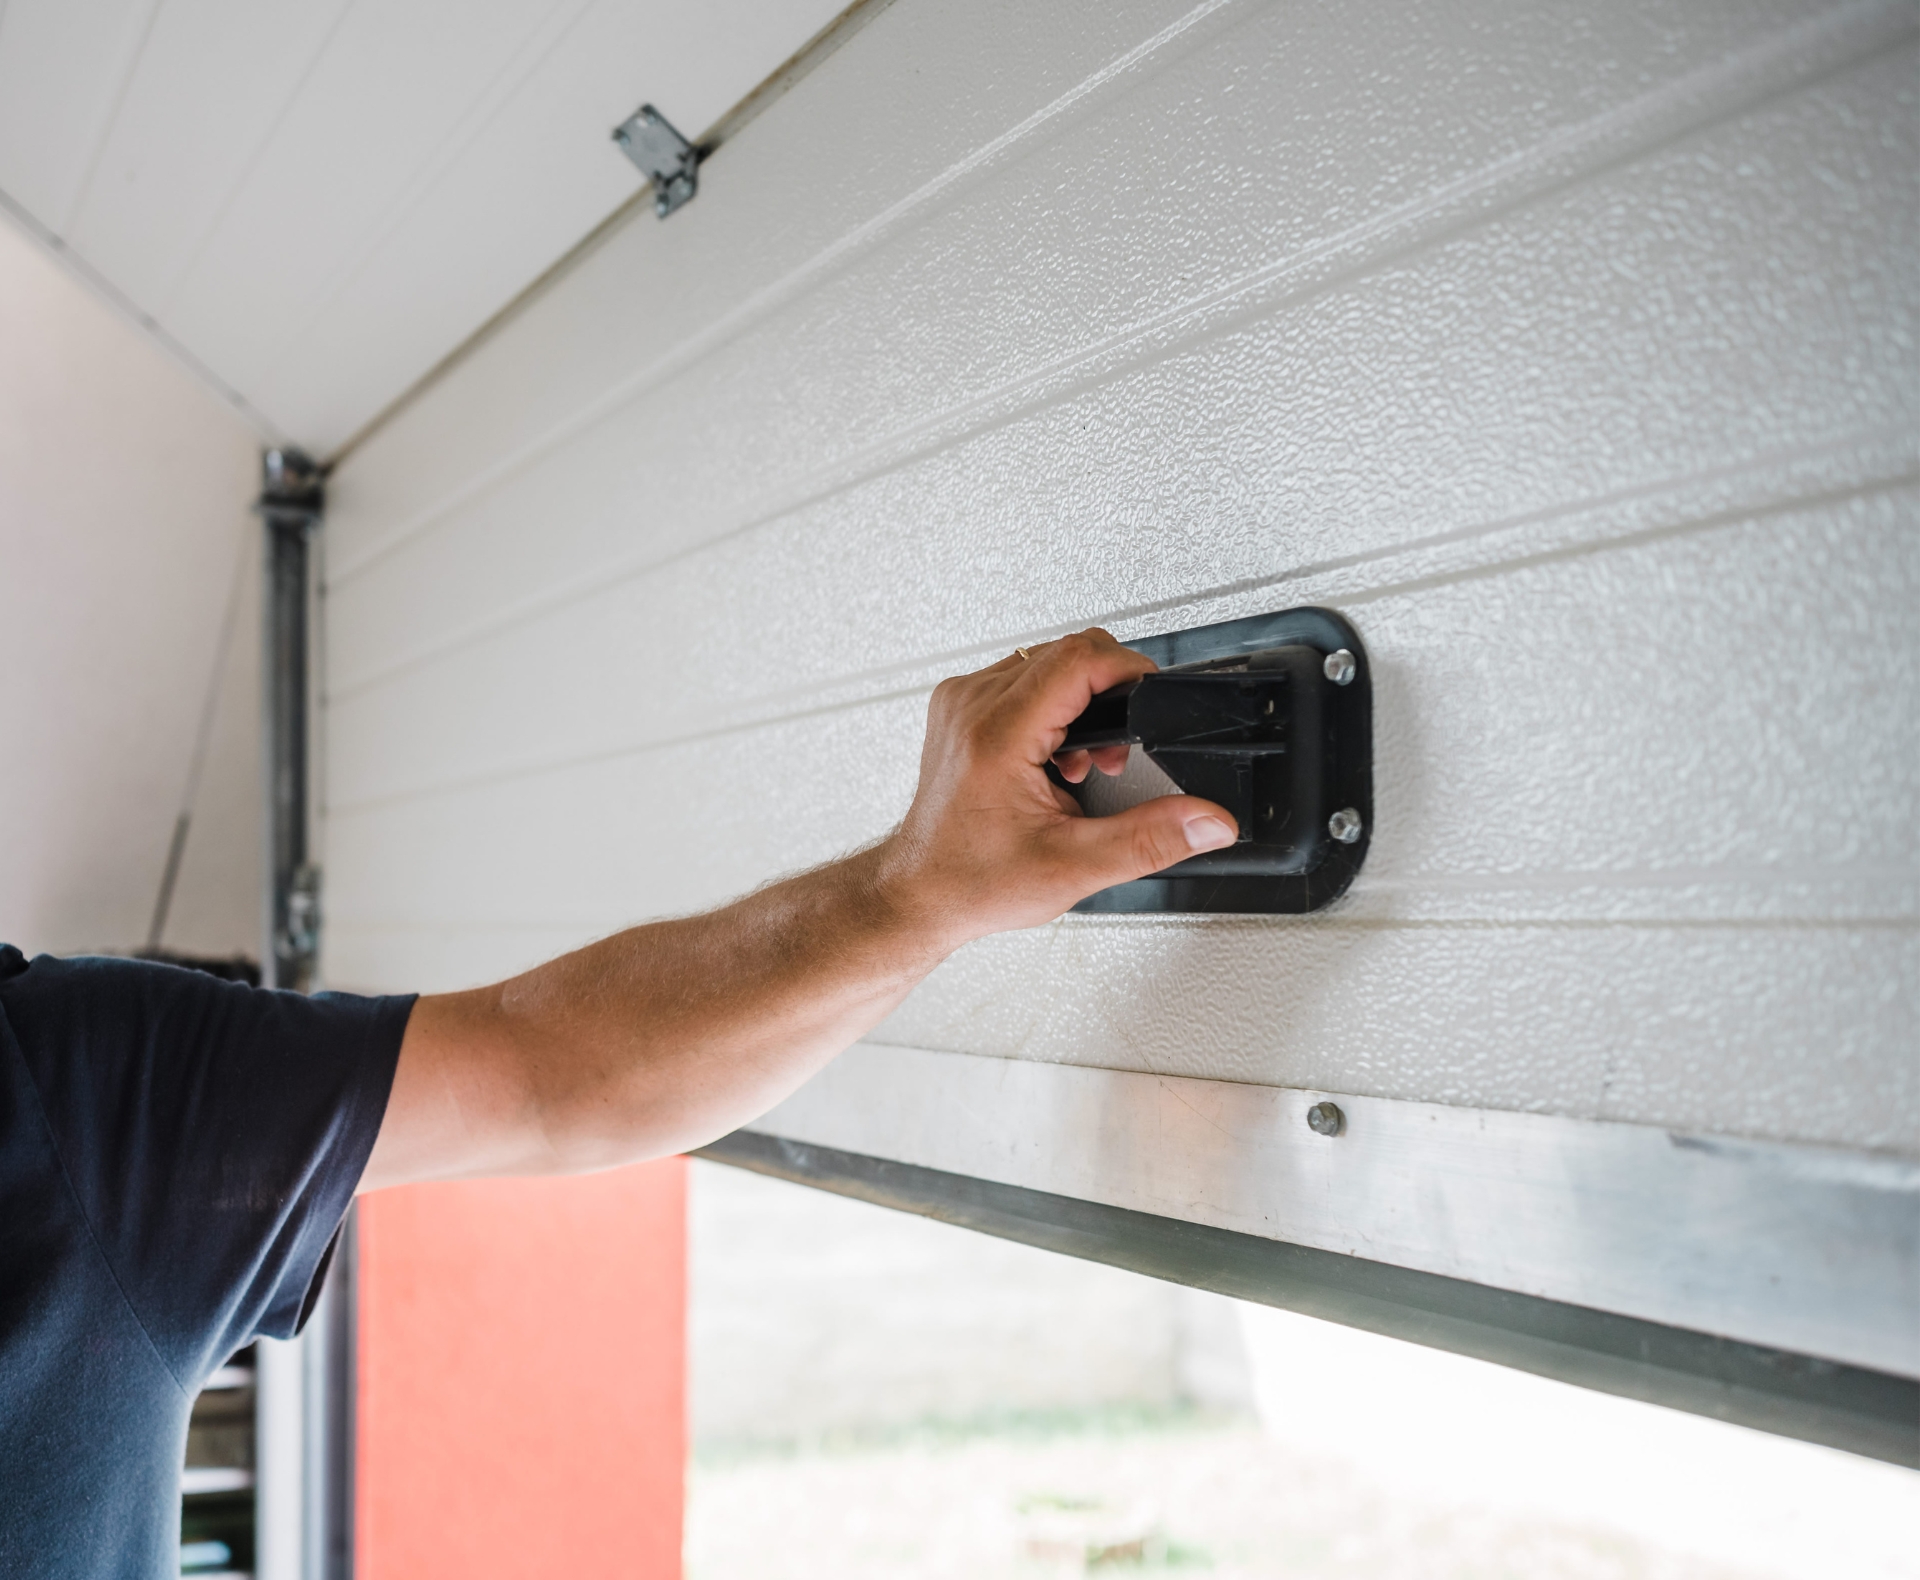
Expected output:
(92, 1006)
(98, 1010)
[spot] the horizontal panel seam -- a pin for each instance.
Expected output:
(343, 923)
(1536, 172)
(596, 585)
(822, 266)
(1120, 617)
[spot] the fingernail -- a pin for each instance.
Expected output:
(1208, 833)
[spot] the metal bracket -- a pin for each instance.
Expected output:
(662, 155)
(299, 938)
(1272, 717)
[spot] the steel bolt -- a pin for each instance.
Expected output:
(1344, 825)
(1325, 1119)
(1340, 667)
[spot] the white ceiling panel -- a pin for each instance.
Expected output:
(63, 66)
(393, 91)
(215, 77)
(320, 201)
(548, 145)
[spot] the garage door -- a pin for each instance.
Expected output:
(1567, 352)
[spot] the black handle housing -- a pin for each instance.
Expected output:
(1251, 714)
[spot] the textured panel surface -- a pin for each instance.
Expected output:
(1570, 354)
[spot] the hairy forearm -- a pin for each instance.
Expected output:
(665, 1036)
(668, 1036)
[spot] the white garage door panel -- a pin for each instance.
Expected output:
(1782, 1032)
(1512, 942)
(1640, 348)
(447, 958)
(618, 838)
(1056, 246)
(1792, 1033)
(1553, 740)
(1570, 354)
(1558, 725)
(650, 299)
(1440, 399)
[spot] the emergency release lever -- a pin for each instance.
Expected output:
(1279, 733)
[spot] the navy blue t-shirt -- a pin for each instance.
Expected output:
(176, 1154)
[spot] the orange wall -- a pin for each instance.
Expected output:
(522, 1375)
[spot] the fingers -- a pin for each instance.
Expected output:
(1071, 669)
(1074, 765)
(1021, 707)
(1148, 838)
(1053, 687)
(1049, 655)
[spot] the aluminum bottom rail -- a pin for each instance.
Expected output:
(1849, 1407)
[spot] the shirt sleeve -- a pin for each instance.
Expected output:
(214, 1134)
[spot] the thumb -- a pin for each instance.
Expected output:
(1150, 837)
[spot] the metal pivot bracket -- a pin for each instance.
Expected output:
(1272, 717)
(663, 156)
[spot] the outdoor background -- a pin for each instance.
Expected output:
(881, 1397)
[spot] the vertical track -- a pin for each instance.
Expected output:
(291, 501)
(307, 1407)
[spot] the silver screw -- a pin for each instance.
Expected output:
(1339, 667)
(1344, 825)
(1325, 1119)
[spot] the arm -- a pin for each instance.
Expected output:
(664, 1037)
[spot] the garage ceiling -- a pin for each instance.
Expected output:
(315, 201)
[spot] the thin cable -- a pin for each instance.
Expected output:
(202, 742)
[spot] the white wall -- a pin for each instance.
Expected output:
(124, 535)
(1569, 351)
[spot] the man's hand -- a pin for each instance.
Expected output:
(990, 842)
(664, 1037)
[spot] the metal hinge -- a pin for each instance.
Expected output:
(666, 158)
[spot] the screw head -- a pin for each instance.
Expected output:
(1344, 825)
(1325, 1119)
(1340, 667)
